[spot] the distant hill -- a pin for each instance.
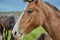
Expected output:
(16, 13)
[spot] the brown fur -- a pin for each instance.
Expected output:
(42, 14)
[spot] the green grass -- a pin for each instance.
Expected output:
(34, 34)
(9, 35)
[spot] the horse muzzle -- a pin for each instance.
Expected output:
(18, 35)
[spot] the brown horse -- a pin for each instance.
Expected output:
(7, 23)
(39, 13)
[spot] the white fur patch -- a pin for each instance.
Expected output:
(16, 26)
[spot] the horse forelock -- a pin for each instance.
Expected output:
(29, 0)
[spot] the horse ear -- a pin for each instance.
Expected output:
(25, 0)
(28, 0)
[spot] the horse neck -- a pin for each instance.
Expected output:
(50, 15)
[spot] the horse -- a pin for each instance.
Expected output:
(6, 24)
(7, 21)
(44, 36)
(38, 13)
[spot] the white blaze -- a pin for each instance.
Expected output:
(15, 29)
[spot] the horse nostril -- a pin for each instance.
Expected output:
(15, 33)
(21, 34)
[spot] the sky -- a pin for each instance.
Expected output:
(19, 5)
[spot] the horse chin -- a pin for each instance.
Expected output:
(19, 36)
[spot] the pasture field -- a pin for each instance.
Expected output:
(32, 35)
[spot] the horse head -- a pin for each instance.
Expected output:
(31, 18)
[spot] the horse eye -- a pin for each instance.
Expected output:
(30, 11)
